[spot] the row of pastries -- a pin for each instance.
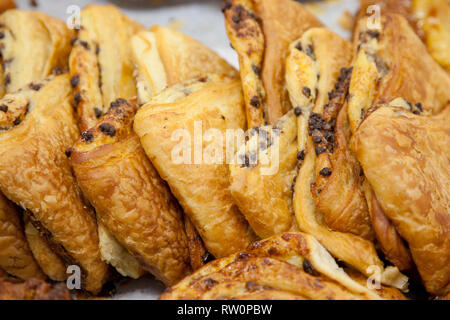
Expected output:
(360, 130)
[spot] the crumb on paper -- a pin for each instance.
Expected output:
(346, 20)
(34, 3)
(176, 24)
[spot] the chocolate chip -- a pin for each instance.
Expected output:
(17, 121)
(72, 42)
(319, 150)
(87, 136)
(255, 102)
(236, 19)
(419, 106)
(301, 155)
(98, 112)
(84, 44)
(108, 129)
(299, 46)
(97, 49)
(2, 35)
(35, 86)
(69, 152)
(256, 70)
(373, 34)
(306, 92)
(326, 172)
(298, 111)
(7, 79)
(209, 283)
(75, 81)
(57, 71)
(121, 101)
(317, 139)
(4, 108)
(308, 268)
(77, 97)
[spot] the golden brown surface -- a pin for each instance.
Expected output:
(35, 172)
(261, 185)
(32, 289)
(197, 250)
(164, 57)
(50, 263)
(261, 32)
(6, 5)
(31, 34)
(15, 255)
(406, 160)
(291, 265)
(130, 198)
(200, 185)
(391, 64)
(101, 65)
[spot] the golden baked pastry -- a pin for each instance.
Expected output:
(6, 5)
(164, 57)
(197, 251)
(130, 198)
(100, 63)
(406, 161)
(318, 81)
(15, 255)
(261, 32)
(290, 265)
(36, 130)
(25, 34)
(430, 19)
(32, 289)
(51, 264)
(261, 184)
(197, 178)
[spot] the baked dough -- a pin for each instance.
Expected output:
(430, 19)
(327, 164)
(33, 34)
(261, 32)
(261, 185)
(36, 131)
(129, 197)
(15, 255)
(100, 62)
(201, 185)
(164, 57)
(406, 161)
(291, 264)
(394, 64)
(32, 289)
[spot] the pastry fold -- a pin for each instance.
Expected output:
(100, 63)
(33, 34)
(37, 129)
(129, 197)
(261, 31)
(329, 201)
(197, 174)
(430, 19)
(261, 184)
(15, 255)
(406, 161)
(165, 57)
(32, 289)
(290, 265)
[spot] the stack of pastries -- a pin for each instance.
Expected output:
(356, 204)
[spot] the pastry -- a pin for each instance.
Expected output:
(261, 32)
(405, 159)
(6, 5)
(429, 19)
(318, 81)
(164, 57)
(100, 62)
(36, 130)
(130, 199)
(15, 255)
(290, 265)
(25, 34)
(197, 178)
(261, 184)
(32, 289)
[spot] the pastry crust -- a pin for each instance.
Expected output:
(394, 64)
(197, 251)
(405, 159)
(51, 264)
(290, 264)
(164, 57)
(35, 173)
(15, 255)
(32, 289)
(128, 195)
(261, 185)
(6, 5)
(200, 185)
(261, 32)
(100, 63)
(31, 34)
